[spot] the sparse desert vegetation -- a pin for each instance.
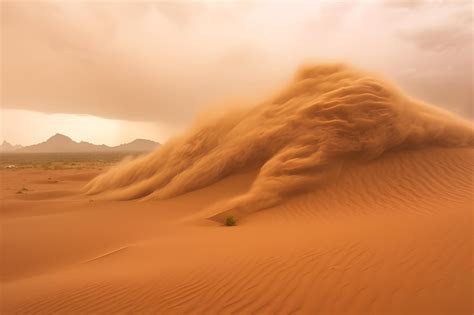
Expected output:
(230, 221)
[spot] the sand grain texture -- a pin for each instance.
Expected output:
(350, 198)
(391, 236)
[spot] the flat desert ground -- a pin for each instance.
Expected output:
(390, 236)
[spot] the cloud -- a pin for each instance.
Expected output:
(118, 60)
(440, 38)
(180, 13)
(451, 29)
(404, 4)
(167, 61)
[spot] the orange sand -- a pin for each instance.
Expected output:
(389, 236)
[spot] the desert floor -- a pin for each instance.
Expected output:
(391, 236)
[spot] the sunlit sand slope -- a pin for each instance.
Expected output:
(390, 236)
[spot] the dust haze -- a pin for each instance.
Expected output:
(166, 61)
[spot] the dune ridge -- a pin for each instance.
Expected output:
(329, 114)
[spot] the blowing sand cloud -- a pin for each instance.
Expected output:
(329, 114)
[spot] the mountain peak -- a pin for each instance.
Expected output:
(141, 141)
(60, 139)
(59, 136)
(7, 146)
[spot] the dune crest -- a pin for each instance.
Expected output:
(329, 114)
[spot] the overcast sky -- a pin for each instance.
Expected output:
(143, 69)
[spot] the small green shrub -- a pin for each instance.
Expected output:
(230, 221)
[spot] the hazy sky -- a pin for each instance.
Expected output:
(111, 71)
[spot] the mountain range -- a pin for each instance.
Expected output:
(8, 147)
(63, 144)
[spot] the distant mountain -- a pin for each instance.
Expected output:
(137, 145)
(8, 147)
(62, 144)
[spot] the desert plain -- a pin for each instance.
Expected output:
(392, 236)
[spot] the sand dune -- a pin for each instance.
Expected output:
(328, 115)
(351, 198)
(393, 236)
